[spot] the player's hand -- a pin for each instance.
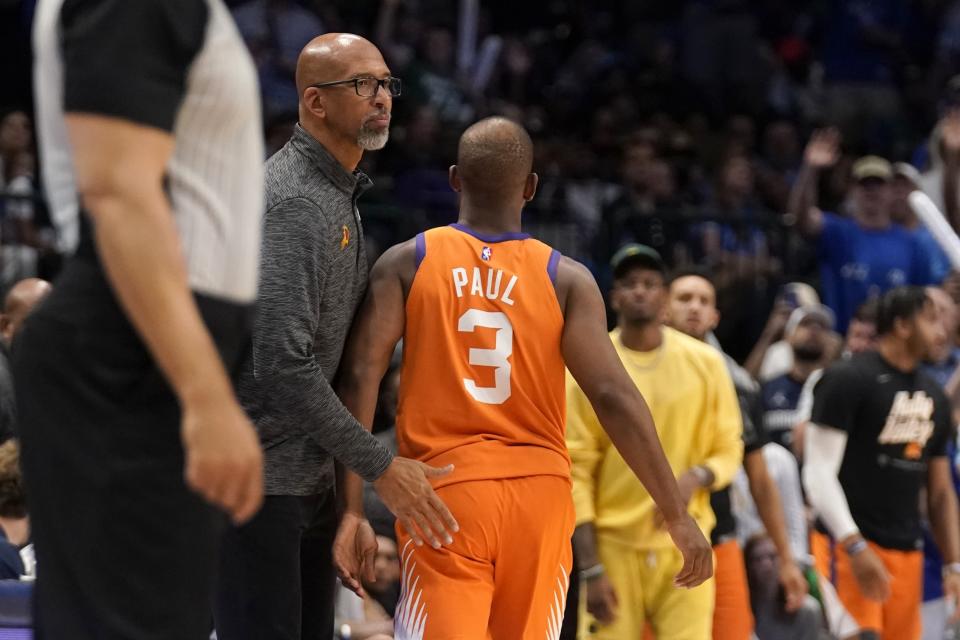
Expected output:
(871, 575)
(951, 590)
(601, 599)
(354, 552)
(823, 149)
(405, 490)
(795, 586)
(224, 463)
(696, 550)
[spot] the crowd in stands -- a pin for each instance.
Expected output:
(678, 125)
(771, 144)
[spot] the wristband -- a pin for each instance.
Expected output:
(590, 573)
(856, 547)
(951, 569)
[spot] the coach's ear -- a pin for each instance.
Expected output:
(530, 187)
(314, 103)
(454, 179)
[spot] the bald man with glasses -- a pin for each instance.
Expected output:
(278, 572)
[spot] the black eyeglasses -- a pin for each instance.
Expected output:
(367, 87)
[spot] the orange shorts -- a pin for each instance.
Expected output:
(506, 573)
(732, 616)
(896, 619)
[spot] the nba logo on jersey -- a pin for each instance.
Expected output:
(486, 253)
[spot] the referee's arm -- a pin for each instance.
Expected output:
(125, 66)
(120, 167)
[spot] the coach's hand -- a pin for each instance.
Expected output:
(355, 551)
(405, 490)
(871, 575)
(601, 599)
(696, 550)
(224, 463)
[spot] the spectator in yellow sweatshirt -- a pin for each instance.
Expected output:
(625, 556)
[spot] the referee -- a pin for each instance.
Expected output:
(149, 125)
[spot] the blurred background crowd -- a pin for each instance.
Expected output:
(681, 125)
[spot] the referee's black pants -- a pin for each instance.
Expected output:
(125, 550)
(277, 580)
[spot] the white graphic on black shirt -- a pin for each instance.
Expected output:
(909, 422)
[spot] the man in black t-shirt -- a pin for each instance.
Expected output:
(878, 436)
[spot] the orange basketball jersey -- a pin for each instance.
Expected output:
(482, 385)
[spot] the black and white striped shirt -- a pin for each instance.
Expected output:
(180, 66)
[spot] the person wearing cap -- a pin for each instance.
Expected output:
(807, 334)
(624, 553)
(877, 439)
(864, 254)
(771, 355)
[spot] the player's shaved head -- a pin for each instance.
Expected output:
(494, 160)
(329, 57)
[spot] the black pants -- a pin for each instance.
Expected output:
(277, 580)
(124, 549)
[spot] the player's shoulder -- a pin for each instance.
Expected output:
(575, 281)
(572, 272)
(400, 259)
(852, 371)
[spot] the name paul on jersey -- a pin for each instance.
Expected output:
(485, 285)
(910, 419)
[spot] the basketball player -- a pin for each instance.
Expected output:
(877, 436)
(489, 316)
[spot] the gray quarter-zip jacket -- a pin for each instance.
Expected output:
(313, 275)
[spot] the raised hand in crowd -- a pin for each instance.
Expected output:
(823, 149)
(822, 152)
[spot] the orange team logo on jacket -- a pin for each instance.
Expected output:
(344, 237)
(483, 377)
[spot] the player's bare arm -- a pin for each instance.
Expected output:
(404, 487)
(621, 409)
(120, 167)
(767, 498)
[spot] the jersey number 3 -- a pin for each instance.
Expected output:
(496, 357)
